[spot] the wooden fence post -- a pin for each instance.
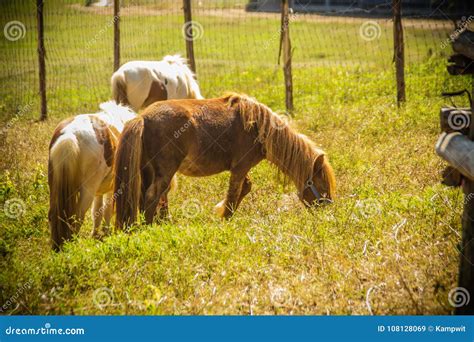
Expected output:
(285, 43)
(466, 265)
(462, 298)
(116, 34)
(188, 34)
(399, 51)
(41, 59)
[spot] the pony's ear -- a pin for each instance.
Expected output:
(318, 164)
(232, 100)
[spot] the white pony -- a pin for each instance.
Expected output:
(81, 155)
(140, 83)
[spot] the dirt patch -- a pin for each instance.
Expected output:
(126, 11)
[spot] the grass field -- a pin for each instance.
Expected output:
(388, 245)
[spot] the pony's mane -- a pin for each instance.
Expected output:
(175, 59)
(293, 153)
(113, 108)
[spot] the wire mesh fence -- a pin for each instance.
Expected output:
(236, 45)
(19, 71)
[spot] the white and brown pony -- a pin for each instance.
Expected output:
(81, 156)
(232, 133)
(140, 83)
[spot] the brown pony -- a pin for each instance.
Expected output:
(205, 137)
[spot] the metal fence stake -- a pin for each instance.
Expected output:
(41, 59)
(188, 33)
(286, 45)
(116, 34)
(399, 52)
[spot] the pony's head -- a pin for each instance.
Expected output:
(292, 152)
(320, 187)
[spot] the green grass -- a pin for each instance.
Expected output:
(392, 233)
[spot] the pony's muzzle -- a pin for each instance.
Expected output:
(325, 201)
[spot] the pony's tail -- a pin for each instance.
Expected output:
(127, 184)
(64, 190)
(119, 89)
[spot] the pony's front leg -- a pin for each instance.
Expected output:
(246, 187)
(108, 212)
(227, 207)
(97, 214)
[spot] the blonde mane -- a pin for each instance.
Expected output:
(293, 153)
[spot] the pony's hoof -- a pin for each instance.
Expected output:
(97, 236)
(164, 218)
(219, 209)
(106, 231)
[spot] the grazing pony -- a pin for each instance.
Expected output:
(81, 156)
(140, 83)
(205, 137)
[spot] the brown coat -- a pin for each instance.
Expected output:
(204, 137)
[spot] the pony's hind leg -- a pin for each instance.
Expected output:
(153, 196)
(108, 209)
(163, 204)
(163, 207)
(86, 198)
(147, 179)
(97, 214)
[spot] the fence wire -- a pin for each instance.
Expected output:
(236, 45)
(19, 67)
